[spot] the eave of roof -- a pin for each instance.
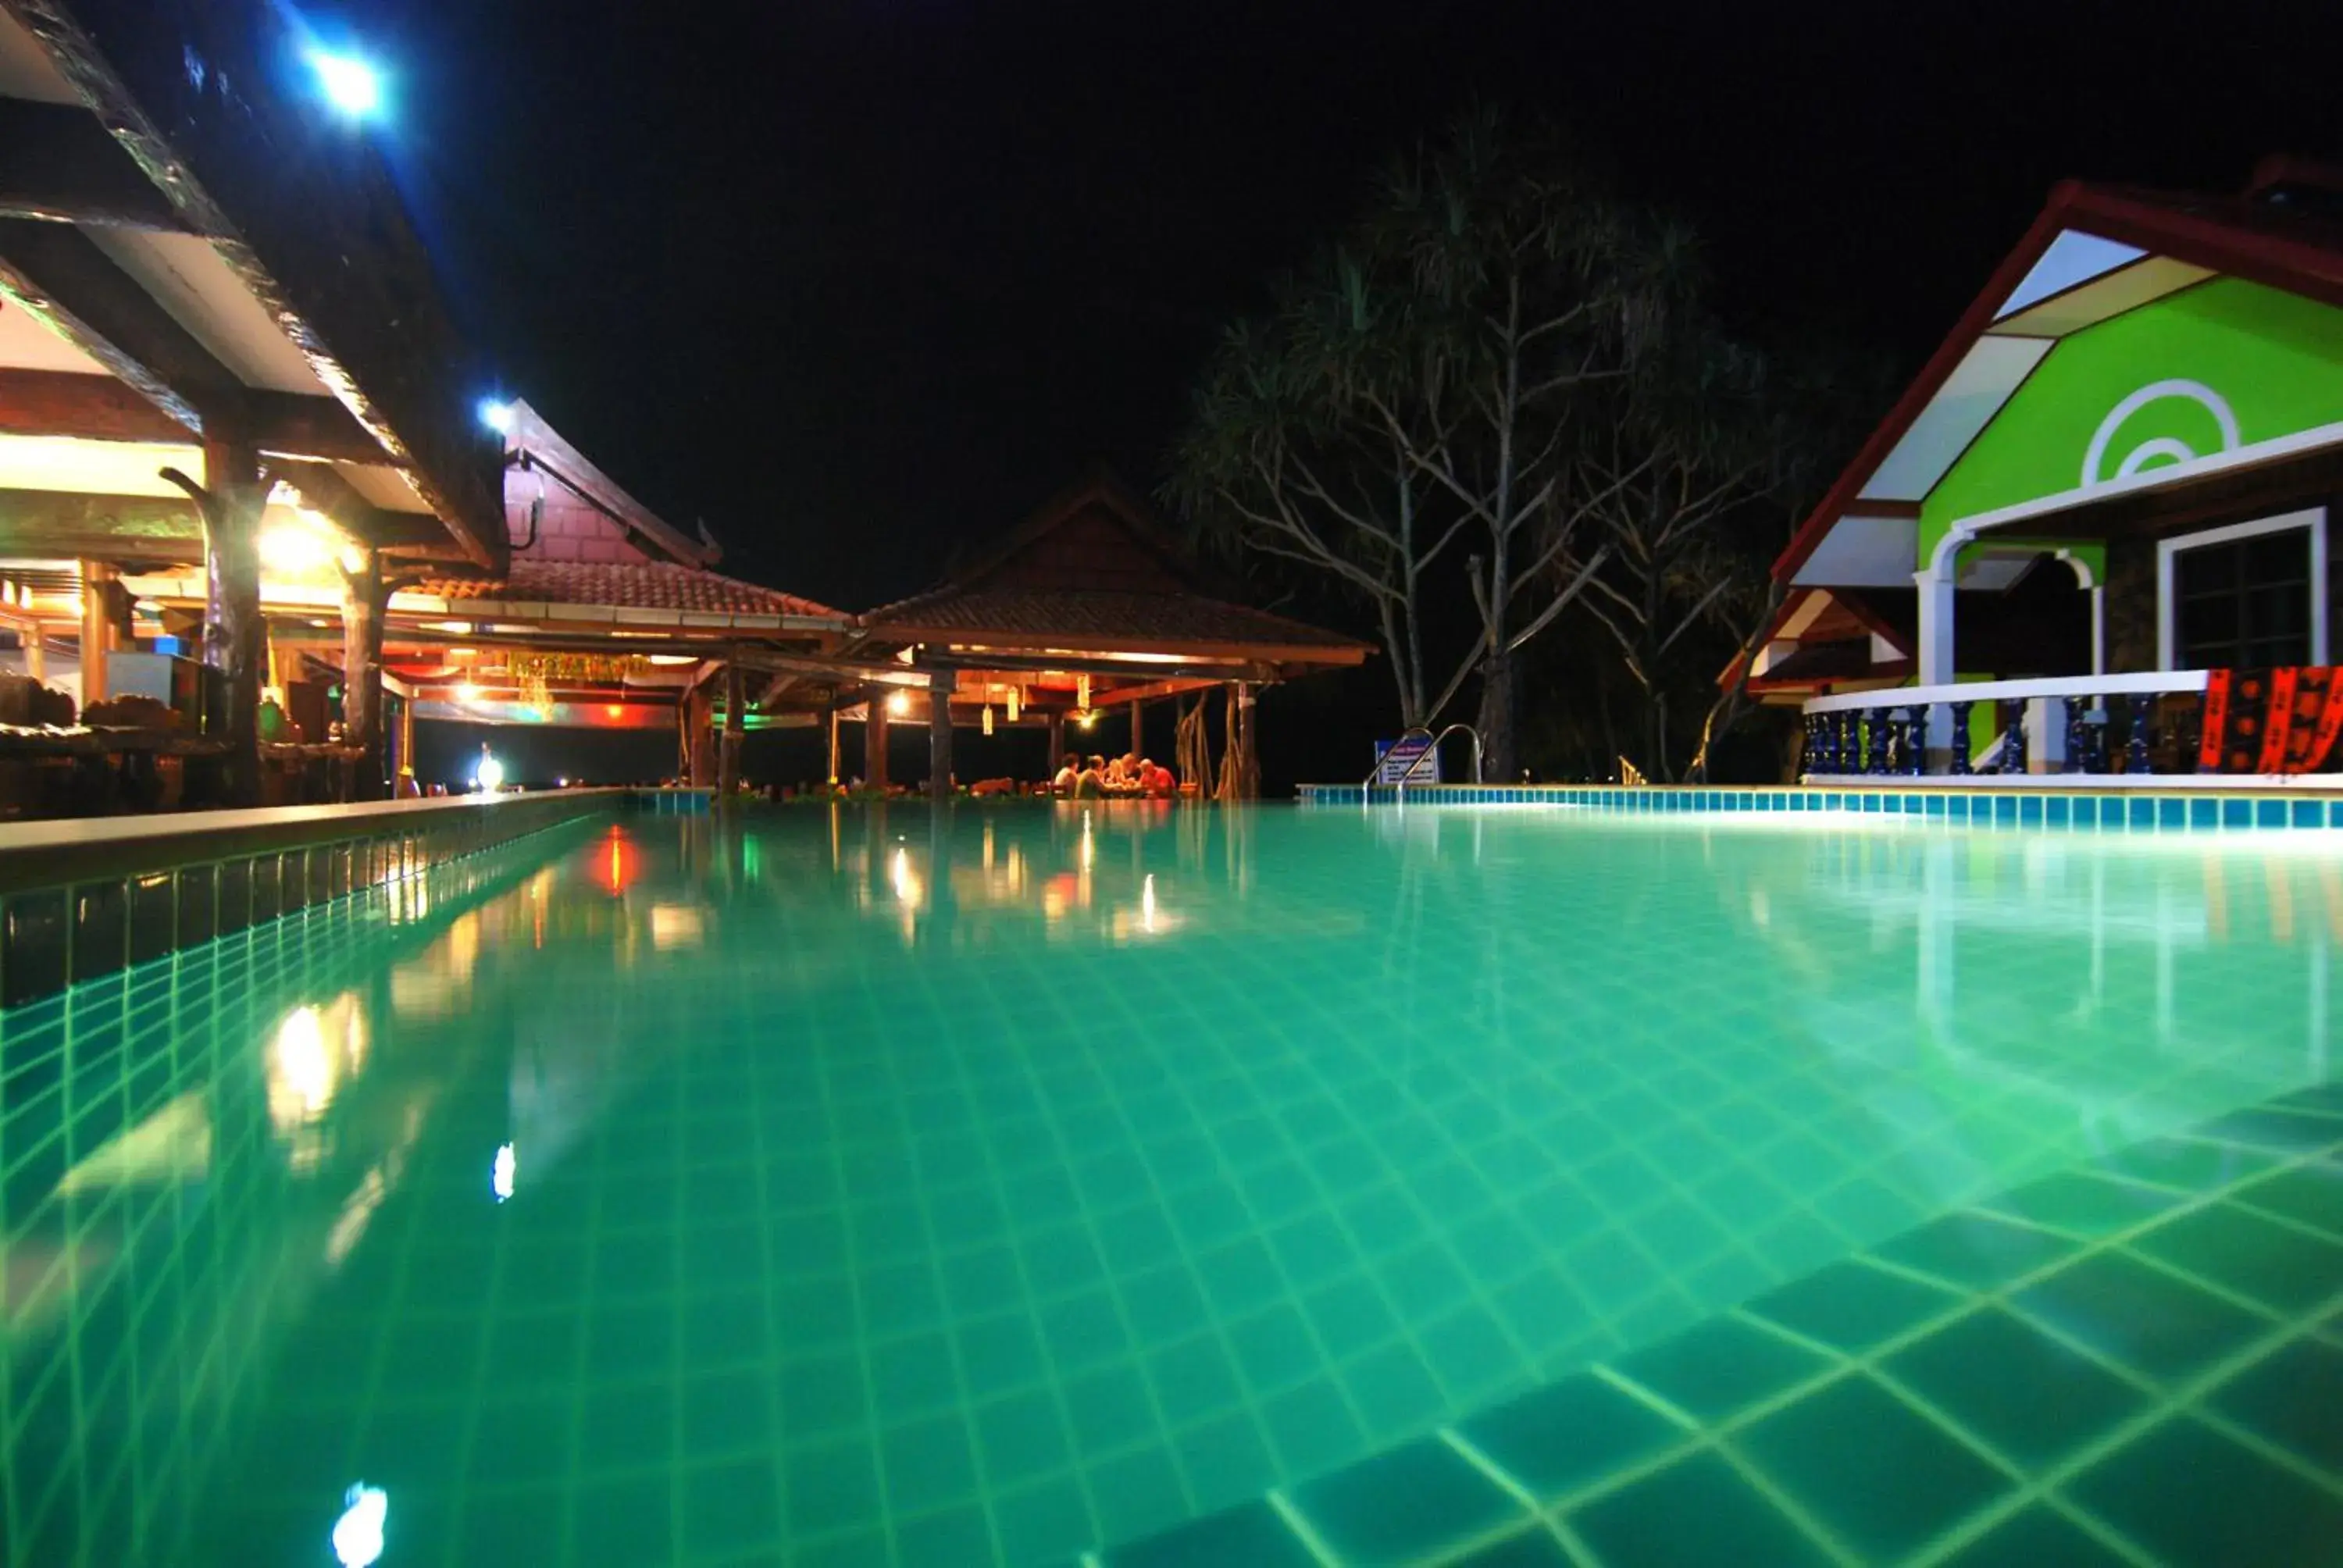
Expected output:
(2228, 235)
(384, 347)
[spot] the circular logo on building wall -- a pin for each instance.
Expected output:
(2164, 422)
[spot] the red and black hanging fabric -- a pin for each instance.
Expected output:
(2285, 720)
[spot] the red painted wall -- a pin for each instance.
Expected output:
(571, 528)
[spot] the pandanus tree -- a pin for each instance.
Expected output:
(1414, 415)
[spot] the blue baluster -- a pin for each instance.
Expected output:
(1959, 741)
(1916, 740)
(1876, 720)
(2143, 713)
(1816, 761)
(1849, 752)
(1960, 763)
(2078, 734)
(2012, 747)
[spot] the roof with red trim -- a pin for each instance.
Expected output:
(2261, 236)
(626, 585)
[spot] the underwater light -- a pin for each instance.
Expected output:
(357, 1533)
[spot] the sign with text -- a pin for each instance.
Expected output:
(1395, 758)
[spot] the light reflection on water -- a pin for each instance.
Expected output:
(688, 1038)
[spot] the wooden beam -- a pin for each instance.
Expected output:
(305, 425)
(103, 408)
(320, 234)
(59, 163)
(1004, 658)
(60, 523)
(58, 273)
(323, 490)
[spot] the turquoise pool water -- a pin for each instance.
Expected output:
(884, 1189)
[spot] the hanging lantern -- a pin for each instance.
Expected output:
(1016, 702)
(988, 719)
(1083, 692)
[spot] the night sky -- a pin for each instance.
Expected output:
(858, 281)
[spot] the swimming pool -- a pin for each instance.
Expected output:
(874, 1187)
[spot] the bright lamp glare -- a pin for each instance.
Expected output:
(350, 84)
(496, 416)
(293, 548)
(491, 775)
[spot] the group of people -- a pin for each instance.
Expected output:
(1128, 775)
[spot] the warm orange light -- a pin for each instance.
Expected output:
(614, 710)
(618, 863)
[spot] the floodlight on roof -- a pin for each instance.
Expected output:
(350, 83)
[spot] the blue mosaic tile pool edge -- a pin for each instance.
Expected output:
(2177, 812)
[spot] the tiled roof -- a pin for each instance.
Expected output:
(629, 585)
(1072, 615)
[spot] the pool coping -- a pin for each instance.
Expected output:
(84, 899)
(2103, 808)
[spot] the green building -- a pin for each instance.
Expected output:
(2111, 482)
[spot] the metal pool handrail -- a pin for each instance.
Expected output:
(1430, 750)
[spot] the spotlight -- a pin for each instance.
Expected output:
(350, 84)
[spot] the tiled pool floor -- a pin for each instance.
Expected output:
(879, 1190)
(2136, 1361)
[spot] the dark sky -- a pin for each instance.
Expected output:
(858, 279)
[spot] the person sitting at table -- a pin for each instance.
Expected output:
(1064, 784)
(1157, 779)
(1091, 782)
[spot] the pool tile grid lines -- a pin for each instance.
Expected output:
(54, 937)
(2167, 813)
(109, 1053)
(1925, 1402)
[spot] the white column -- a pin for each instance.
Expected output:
(2099, 628)
(1935, 648)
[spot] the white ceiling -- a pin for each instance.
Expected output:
(2071, 258)
(94, 468)
(28, 344)
(386, 487)
(25, 72)
(1971, 396)
(188, 278)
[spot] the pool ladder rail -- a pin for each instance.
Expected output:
(1432, 750)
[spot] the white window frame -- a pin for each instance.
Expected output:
(2167, 638)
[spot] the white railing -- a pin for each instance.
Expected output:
(2058, 724)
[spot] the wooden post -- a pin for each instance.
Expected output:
(407, 743)
(1248, 761)
(736, 728)
(363, 599)
(1057, 742)
(36, 657)
(234, 634)
(701, 736)
(833, 745)
(96, 630)
(1240, 771)
(1138, 729)
(874, 739)
(940, 683)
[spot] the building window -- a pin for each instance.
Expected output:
(2251, 596)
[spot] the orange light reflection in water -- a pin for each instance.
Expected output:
(618, 862)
